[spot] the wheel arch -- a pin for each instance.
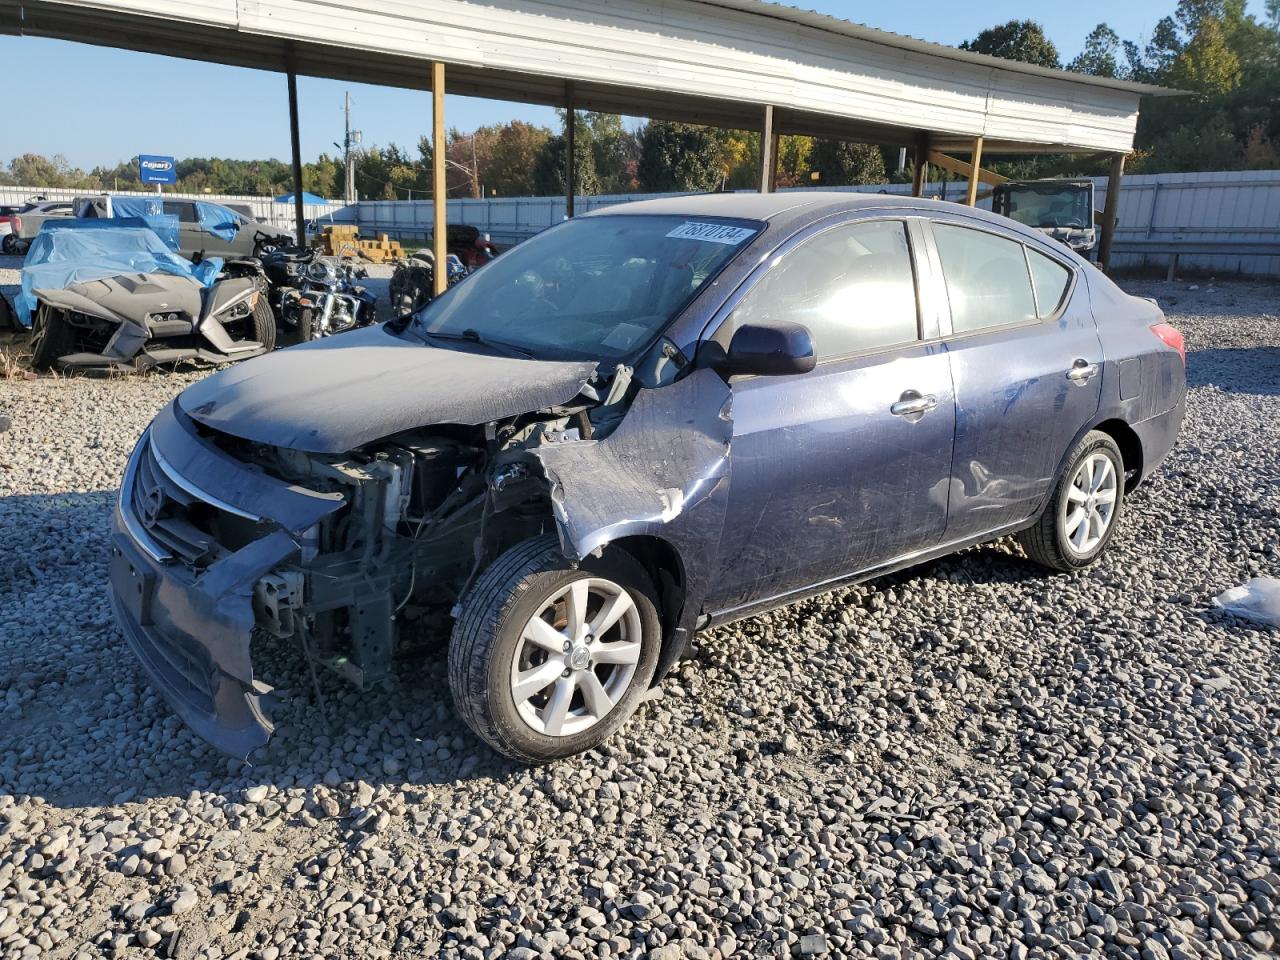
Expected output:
(665, 566)
(1130, 444)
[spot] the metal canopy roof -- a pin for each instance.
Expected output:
(704, 61)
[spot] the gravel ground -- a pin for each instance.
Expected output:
(967, 759)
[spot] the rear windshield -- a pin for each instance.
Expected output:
(597, 288)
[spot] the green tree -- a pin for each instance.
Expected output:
(552, 161)
(679, 157)
(508, 153)
(1023, 40)
(34, 170)
(1100, 56)
(1207, 64)
(841, 163)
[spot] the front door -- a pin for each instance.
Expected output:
(1026, 361)
(845, 467)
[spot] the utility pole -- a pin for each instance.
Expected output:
(348, 162)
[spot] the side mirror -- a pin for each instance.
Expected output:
(774, 350)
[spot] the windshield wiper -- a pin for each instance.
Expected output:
(473, 336)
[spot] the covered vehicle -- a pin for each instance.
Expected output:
(110, 293)
(641, 423)
(193, 228)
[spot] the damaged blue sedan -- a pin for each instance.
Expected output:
(642, 423)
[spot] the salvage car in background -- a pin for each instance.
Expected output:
(111, 294)
(204, 228)
(1061, 209)
(26, 221)
(641, 423)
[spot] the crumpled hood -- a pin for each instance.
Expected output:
(332, 395)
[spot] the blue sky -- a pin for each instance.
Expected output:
(68, 95)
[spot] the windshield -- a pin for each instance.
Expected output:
(598, 288)
(1050, 205)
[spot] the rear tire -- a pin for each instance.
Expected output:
(512, 661)
(51, 337)
(9, 245)
(1083, 512)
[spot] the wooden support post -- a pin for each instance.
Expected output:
(439, 191)
(975, 169)
(299, 217)
(570, 146)
(920, 177)
(768, 161)
(1109, 210)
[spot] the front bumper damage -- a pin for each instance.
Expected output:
(192, 628)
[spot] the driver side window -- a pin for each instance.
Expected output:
(852, 286)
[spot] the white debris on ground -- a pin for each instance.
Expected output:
(967, 759)
(1258, 600)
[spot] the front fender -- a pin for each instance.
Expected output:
(664, 473)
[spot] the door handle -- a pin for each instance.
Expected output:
(912, 403)
(1082, 371)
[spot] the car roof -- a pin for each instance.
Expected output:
(792, 208)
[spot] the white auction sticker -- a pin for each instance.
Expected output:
(711, 232)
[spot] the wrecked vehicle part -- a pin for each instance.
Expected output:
(185, 566)
(317, 397)
(663, 473)
(110, 294)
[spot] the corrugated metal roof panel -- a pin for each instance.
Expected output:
(708, 60)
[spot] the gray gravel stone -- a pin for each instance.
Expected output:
(968, 759)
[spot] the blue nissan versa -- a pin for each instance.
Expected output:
(640, 423)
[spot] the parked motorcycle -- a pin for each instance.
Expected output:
(413, 283)
(329, 300)
(311, 295)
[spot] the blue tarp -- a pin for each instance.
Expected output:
(74, 251)
(306, 198)
(151, 210)
(222, 222)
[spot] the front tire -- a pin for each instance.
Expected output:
(547, 659)
(264, 323)
(1082, 515)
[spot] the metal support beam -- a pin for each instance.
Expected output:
(299, 217)
(570, 148)
(975, 171)
(920, 176)
(1109, 210)
(439, 192)
(768, 159)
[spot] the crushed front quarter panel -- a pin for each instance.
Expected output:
(661, 473)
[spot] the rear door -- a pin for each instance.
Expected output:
(191, 239)
(1026, 362)
(845, 467)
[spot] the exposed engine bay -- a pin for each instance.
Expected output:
(422, 513)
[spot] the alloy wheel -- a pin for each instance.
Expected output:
(576, 657)
(1091, 503)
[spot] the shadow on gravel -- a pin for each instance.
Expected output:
(1254, 370)
(80, 726)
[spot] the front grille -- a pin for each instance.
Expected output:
(194, 527)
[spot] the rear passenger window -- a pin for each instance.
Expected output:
(1051, 280)
(185, 211)
(852, 286)
(988, 284)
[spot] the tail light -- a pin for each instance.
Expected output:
(17, 224)
(1172, 337)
